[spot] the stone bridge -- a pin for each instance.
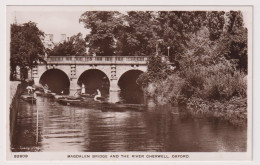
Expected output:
(113, 67)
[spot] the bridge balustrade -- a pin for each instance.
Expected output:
(97, 59)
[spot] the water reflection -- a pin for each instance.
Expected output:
(156, 128)
(132, 96)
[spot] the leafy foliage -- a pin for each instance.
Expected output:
(137, 35)
(175, 27)
(167, 90)
(215, 23)
(75, 46)
(212, 60)
(104, 26)
(26, 47)
(224, 86)
(139, 32)
(233, 42)
(157, 71)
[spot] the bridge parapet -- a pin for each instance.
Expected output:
(97, 60)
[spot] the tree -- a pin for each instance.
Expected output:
(26, 46)
(212, 62)
(233, 41)
(137, 32)
(175, 28)
(215, 23)
(137, 36)
(158, 70)
(103, 25)
(75, 46)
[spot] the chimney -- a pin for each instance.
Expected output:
(15, 20)
(63, 37)
(51, 37)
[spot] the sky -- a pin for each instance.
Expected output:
(59, 20)
(51, 21)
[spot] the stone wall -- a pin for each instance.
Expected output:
(15, 90)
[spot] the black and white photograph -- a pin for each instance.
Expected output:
(153, 83)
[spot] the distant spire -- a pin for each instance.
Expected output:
(15, 20)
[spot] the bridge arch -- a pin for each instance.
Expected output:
(131, 92)
(127, 80)
(94, 79)
(57, 80)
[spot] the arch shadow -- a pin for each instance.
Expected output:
(128, 80)
(94, 79)
(57, 81)
(131, 92)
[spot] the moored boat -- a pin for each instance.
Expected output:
(102, 105)
(28, 98)
(59, 97)
(73, 97)
(68, 101)
(86, 95)
(49, 95)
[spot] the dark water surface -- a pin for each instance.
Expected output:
(49, 126)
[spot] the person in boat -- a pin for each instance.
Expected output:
(34, 95)
(29, 89)
(46, 88)
(83, 90)
(98, 95)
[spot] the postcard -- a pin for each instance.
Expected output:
(129, 83)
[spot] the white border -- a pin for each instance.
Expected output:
(134, 2)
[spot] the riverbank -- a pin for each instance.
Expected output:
(218, 91)
(234, 111)
(15, 90)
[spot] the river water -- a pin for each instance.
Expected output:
(49, 126)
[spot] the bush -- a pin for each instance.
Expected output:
(166, 91)
(225, 86)
(157, 71)
(194, 80)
